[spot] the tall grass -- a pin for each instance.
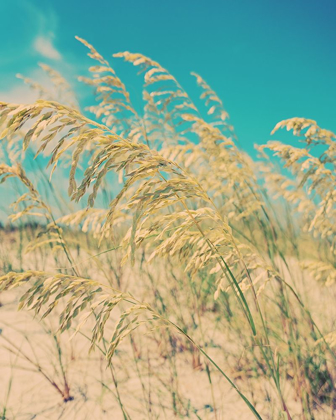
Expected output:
(237, 240)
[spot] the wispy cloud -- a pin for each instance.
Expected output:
(19, 94)
(44, 46)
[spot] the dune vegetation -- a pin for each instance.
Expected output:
(178, 277)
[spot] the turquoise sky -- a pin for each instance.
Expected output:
(268, 60)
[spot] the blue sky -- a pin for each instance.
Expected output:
(267, 60)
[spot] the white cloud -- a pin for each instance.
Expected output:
(44, 46)
(19, 94)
